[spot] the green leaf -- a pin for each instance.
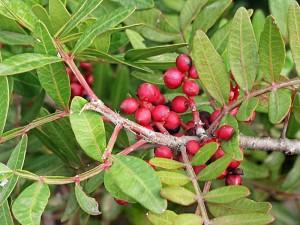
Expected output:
(120, 86)
(58, 13)
(5, 172)
(253, 171)
(138, 4)
(190, 10)
(179, 195)
(81, 13)
(4, 102)
(53, 78)
(113, 188)
(139, 181)
(103, 24)
(42, 14)
(271, 51)
(210, 66)
(12, 38)
(258, 22)
(296, 107)
(166, 218)
(164, 163)
(16, 161)
(293, 177)
(246, 109)
(242, 49)
(205, 153)
(88, 128)
(5, 215)
(173, 178)
(214, 169)
(240, 206)
(220, 38)
(142, 53)
(279, 105)
(154, 77)
(25, 62)
(243, 219)
(30, 204)
(136, 40)
(86, 203)
(226, 194)
(21, 12)
(294, 32)
(188, 219)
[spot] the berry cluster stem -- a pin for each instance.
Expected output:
(197, 121)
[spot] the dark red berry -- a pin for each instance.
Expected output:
(76, 89)
(225, 132)
(180, 104)
(161, 100)
(183, 63)
(129, 105)
(190, 88)
(163, 152)
(233, 180)
(193, 147)
(234, 164)
(149, 127)
(218, 154)
(160, 113)
(86, 66)
(147, 105)
(148, 92)
(89, 79)
(214, 115)
(121, 202)
(172, 121)
(197, 169)
(143, 116)
(173, 78)
(193, 73)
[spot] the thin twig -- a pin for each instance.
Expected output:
(133, 147)
(112, 142)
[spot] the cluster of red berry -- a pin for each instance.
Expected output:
(152, 111)
(87, 71)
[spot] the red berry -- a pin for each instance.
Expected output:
(225, 132)
(149, 127)
(143, 116)
(234, 164)
(218, 154)
(148, 92)
(193, 73)
(89, 79)
(197, 169)
(180, 104)
(72, 77)
(214, 115)
(193, 147)
(222, 175)
(76, 89)
(121, 202)
(86, 66)
(160, 113)
(234, 111)
(233, 180)
(172, 121)
(173, 78)
(183, 63)
(163, 152)
(160, 100)
(190, 88)
(129, 105)
(147, 105)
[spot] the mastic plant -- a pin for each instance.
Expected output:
(143, 112)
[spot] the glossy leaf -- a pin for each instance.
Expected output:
(16, 161)
(240, 206)
(58, 13)
(173, 178)
(88, 128)
(271, 51)
(42, 14)
(53, 78)
(4, 102)
(30, 204)
(205, 153)
(214, 169)
(279, 105)
(25, 62)
(136, 40)
(103, 24)
(81, 13)
(138, 4)
(242, 49)
(12, 38)
(188, 219)
(294, 32)
(5, 215)
(226, 194)
(135, 54)
(246, 109)
(179, 195)
(139, 181)
(210, 65)
(166, 218)
(243, 219)
(154, 78)
(86, 203)
(189, 11)
(164, 163)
